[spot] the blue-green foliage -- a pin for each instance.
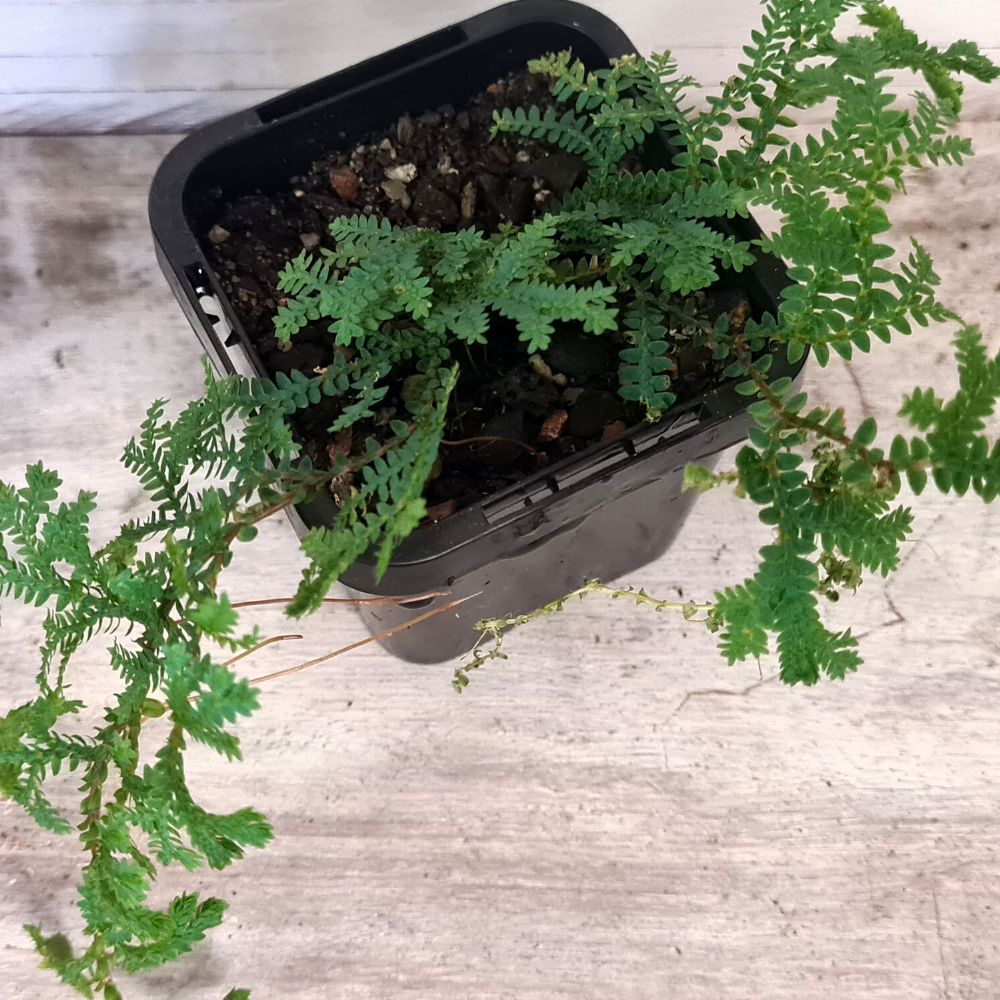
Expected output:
(225, 463)
(446, 284)
(828, 494)
(619, 254)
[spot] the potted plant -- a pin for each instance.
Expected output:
(517, 516)
(649, 247)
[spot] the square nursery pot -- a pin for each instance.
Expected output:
(601, 513)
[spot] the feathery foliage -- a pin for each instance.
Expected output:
(651, 218)
(225, 463)
(829, 494)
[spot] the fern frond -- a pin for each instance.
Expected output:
(568, 131)
(646, 366)
(390, 482)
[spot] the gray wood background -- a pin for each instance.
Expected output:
(612, 813)
(167, 65)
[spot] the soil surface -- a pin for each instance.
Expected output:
(510, 415)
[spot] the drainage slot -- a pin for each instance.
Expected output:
(212, 310)
(592, 469)
(504, 507)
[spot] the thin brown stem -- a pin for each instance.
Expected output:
(362, 642)
(884, 468)
(259, 512)
(260, 645)
(490, 439)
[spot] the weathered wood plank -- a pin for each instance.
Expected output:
(612, 813)
(103, 65)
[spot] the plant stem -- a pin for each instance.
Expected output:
(495, 628)
(883, 468)
(260, 645)
(363, 642)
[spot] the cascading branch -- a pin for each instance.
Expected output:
(615, 255)
(830, 494)
(652, 235)
(153, 590)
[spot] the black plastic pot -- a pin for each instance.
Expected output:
(602, 513)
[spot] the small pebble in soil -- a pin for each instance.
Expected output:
(405, 172)
(396, 191)
(613, 430)
(218, 235)
(309, 240)
(440, 511)
(468, 201)
(539, 366)
(444, 166)
(553, 426)
(344, 181)
(405, 130)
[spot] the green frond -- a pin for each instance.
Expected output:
(645, 367)
(535, 308)
(219, 698)
(188, 920)
(568, 131)
(630, 251)
(390, 482)
(954, 448)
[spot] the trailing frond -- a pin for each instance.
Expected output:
(645, 366)
(781, 598)
(188, 919)
(646, 227)
(29, 751)
(391, 482)
(568, 131)
(954, 448)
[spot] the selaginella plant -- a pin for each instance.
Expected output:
(619, 253)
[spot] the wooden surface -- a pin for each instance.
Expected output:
(611, 814)
(161, 65)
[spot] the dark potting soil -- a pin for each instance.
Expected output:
(510, 415)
